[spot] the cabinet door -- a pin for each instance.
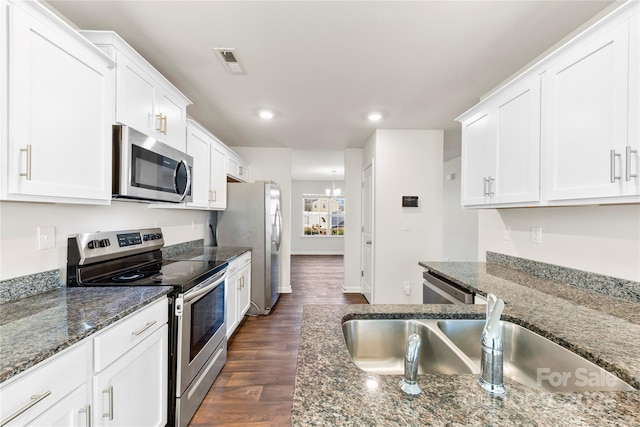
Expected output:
(585, 97)
(132, 391)
(231, 300)
(244, 291)
(134, 98)
(475, 140)
(60, 108)
(72, 411)
(632, 162)
(218, 177)
(516, 147)
(199, 147)
(171, 130)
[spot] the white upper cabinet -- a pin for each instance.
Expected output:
(209, 177)
(475, 141)
(586, 113)
(145, 100)
(501, 148)
(565, 131)
(59, 110)
(237, 167)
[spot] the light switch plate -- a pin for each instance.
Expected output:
(46, 237)
(506, 233)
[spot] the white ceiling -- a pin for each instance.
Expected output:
(322, 65)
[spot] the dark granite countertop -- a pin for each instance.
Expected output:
(35, 328)
(331, 390)
(213, 253)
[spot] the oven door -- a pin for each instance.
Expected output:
(148, 169)
(201, 329)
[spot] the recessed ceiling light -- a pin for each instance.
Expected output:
(374, 116)
(266, 114)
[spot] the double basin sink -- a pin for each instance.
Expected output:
(452, 346)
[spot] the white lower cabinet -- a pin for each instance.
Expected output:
(237, 291)
(38, 396)
(118, 377)
(132, 391)
(72, 411)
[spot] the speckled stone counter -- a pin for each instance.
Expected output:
(213, 253)
(331, 390)
(35, 328)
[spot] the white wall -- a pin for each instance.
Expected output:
(19, 253)
(353, 219)
(460, 226)
(407, 162)
(274, 164)
(599, 239)
(312, 245)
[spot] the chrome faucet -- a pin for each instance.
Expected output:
(491, 361)
(408, 384)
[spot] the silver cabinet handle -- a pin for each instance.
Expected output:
(162, 123)
(35, 399)
(485, 181)
(628, 175)
(612, 158)
(144, 328)
(28, 172)
(87, 411)
(490, 192)
(109, 391)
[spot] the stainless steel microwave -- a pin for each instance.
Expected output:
(147, 169)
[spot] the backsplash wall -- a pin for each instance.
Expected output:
(19, 253)
(598, 239)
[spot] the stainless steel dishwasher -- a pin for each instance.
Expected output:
(438, 290)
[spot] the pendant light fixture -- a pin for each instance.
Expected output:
(333, 191)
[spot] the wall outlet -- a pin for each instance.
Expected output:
(406, 285)
(406, 225)
(46, 237)
(536, 235)
(506, 233)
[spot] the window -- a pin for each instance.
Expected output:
(322, 215)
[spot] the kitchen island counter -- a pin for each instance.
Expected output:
(35, 328)
(331, 390)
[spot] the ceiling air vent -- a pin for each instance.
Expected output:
(229, 60)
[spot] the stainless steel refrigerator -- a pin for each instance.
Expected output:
(253, 218)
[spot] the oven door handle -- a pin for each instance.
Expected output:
(195, 295)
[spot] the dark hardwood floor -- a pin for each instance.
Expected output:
(255, 387)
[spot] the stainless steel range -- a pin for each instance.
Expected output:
(197, 344)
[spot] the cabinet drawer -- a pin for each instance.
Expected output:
(243, 260)
(47, 383)
(119, 338)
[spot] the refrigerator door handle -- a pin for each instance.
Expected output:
(278, 228)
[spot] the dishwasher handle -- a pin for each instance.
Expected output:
(447, 290)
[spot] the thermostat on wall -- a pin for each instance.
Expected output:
(409, 201)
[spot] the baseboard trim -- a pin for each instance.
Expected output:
(354, 290)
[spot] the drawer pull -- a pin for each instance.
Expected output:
(35, 399)
(144, 328)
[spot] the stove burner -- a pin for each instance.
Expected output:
(130, 277)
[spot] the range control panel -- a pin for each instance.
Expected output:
(103, 245)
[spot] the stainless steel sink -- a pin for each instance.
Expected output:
(533, 360)
(452, 346)
(378, 345)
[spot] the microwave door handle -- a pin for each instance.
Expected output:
(175, 178)
(192, 297)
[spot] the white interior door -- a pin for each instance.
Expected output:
(367, 234)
